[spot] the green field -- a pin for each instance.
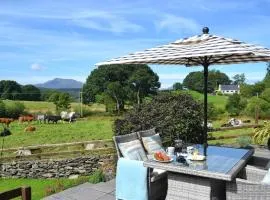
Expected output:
(43, 107)
(91, 128)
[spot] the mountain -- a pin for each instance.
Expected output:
(58, 83)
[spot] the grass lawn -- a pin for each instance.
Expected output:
(42, 187)
(92, 128)
(43, 106)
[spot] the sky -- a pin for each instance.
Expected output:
(42, 40)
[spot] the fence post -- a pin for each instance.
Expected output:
(26, 193)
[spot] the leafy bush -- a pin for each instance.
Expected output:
(243, 141)
(235, 104)
(260, 104)
(96, 177)
(173, 115)
(14, 109)
(219, 93)
(262, 134)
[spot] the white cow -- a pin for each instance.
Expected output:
(65, 116)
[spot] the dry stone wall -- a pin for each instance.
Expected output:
(59, 168)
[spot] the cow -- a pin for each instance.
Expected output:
(65, 116)
(30, 129)
(41, 118)
(53, 118)
(6, 121)
(5, 132)
(26, 118)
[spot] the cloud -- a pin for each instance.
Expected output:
(177, 24)
(37, 67)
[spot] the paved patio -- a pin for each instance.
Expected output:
(86, 191)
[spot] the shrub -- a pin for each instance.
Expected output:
(97, 176)
(173, 115)
(262, 134)
(243, 141)
(259, 103)
(14, 109)
(219, 93)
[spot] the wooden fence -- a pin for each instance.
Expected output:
(24, 192)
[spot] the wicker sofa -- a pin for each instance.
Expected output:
(157, 182)
(248, 186)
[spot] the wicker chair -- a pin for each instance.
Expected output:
(157, 183)
(249, 186)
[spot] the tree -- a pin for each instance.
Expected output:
(122, 82)
(2, 109)
(266, 95)
(30, 93)
(259, 104)
(239, 79)
(177, 86)
(61, 100)
(247, 90)
(117, 92)
(10, 90)
(143, 82)
(235, 104)
(195, 80)
(266, 79)
(173, 115)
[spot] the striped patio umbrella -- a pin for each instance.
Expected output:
(200, 50)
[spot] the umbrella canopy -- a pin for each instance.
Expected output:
(200, 50)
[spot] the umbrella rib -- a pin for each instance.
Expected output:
(222, 58)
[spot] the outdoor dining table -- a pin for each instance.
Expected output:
(199, 180)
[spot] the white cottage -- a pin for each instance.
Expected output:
(229, 89)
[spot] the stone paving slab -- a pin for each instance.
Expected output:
(87, 191)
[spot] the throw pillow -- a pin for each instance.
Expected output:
(266, 179)
(133, 150)
(152, 144)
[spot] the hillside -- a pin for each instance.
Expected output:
(59, 83)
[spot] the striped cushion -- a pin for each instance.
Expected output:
(133, 150)
(152, 143)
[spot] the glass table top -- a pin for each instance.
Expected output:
(218, 159)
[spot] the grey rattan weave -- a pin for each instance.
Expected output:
(248, 187)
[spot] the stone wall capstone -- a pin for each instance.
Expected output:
(82, 166)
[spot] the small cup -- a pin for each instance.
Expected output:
(170, 151)
(190, 150)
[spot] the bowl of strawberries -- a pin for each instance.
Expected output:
(160, 156)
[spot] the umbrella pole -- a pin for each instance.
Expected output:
(205, 66)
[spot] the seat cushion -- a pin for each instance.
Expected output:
(152, 143)
(133, 150)
(266, 179)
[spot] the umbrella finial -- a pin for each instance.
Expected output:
(205, 30)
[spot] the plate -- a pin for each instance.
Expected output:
(197, 158)
(162, 161)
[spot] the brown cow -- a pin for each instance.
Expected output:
(26, 118)
(30, 129)
(6, 121)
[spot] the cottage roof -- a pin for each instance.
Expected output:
(229, 87)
